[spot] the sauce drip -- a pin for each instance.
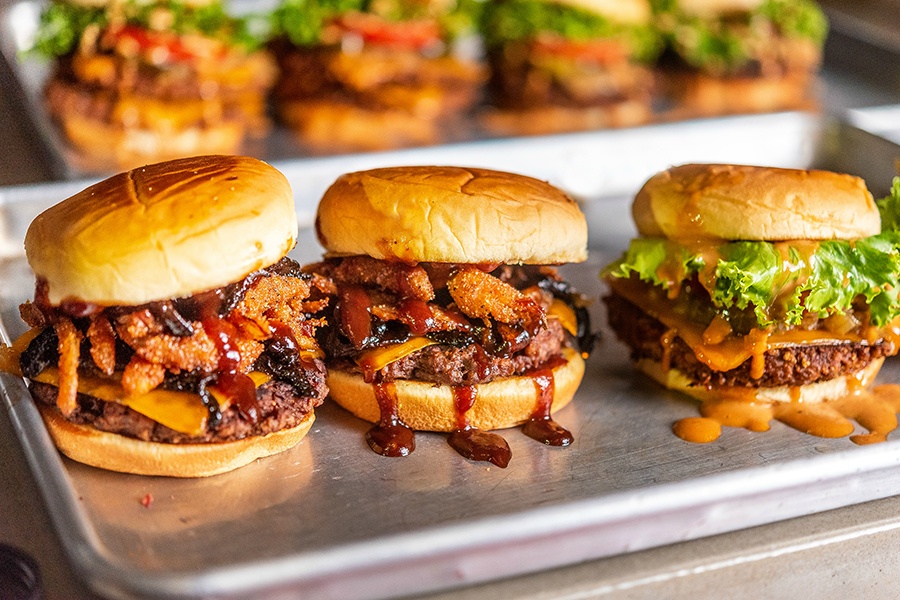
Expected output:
(229, 379)
(541, 426)
(875, 410)
(390, 437)
(472, 443)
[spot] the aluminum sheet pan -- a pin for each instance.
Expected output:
(331, 519)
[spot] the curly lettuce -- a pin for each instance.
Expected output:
(781, 281)
(63, 24)
(507, 21)
(728, 43)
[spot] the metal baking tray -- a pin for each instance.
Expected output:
(331, 519)
(848, 79)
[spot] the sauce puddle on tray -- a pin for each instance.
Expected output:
(873, 409)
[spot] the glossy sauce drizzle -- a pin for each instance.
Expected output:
(874, 409)
(541, 426)
(472, 443)
(390, 437)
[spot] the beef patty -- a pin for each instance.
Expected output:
(790, 366)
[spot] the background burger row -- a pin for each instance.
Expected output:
(136, 80)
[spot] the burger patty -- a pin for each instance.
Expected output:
(442, 364)
(519, 81)
(790, 366)
(279, 409)
(405, 80)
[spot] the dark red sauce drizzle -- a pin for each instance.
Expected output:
(541, 426)
(472, 443)
(390, 437)
(229, 379)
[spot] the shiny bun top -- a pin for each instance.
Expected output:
(163, 231)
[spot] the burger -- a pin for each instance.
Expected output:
(758, 287)
(449, 313)
(742, 56)
(138, 81)
(563, 65)
(374, 74)
(170, 333)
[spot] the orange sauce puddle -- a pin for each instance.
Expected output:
(875, 410)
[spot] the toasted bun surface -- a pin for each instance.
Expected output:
(812, 393)
(164, 231)
(101, 146)
(128, 455)
(620, 11)
(424, 406)
(710, 8)
(450, 214)
(730, 202)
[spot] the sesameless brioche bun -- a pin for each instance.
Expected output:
(128, 455)
(450, 214)
(214, 219)
(736, 202)
(423, 406)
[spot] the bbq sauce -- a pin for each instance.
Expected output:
(229, 380)
(541, 426)
(472, 443)
(390, 437)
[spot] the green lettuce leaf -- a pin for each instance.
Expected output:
(506, 21)
(779, 281)
(726, 45)
(889, 207)
(62, 24)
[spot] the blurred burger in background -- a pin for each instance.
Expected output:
(559, 65)
(137, 81)
(372, 74)
(740, 56)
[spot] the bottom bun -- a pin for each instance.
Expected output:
(562, 119)
(102, 145)
(129, 455)
(699, 95)
(823, 391)
(334, 126)
(423, 406)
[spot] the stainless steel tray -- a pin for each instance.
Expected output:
(330, 519)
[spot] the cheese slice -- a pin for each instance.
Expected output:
(379, 358)
(562, 312)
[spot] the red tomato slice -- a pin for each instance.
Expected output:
(595, 51)
(414, 35)
(147, 41)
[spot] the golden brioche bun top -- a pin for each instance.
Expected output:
(732, 202)
(619, 11)
(165, 230)
(450, 214)
(711, 8)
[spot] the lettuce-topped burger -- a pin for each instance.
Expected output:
(737, 56)
(569, 64)
(757, 284)
(137, 81)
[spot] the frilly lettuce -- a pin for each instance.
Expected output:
(779, 282)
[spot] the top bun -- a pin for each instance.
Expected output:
(712, 8)
(730, 202)
(629, 12)
(450, 214)
(162, 231)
